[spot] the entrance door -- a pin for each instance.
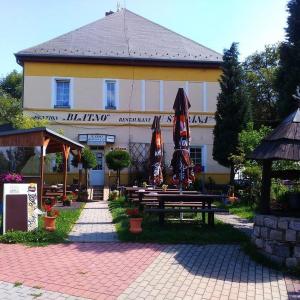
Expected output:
(97, 174)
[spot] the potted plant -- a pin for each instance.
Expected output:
(145, 185)
(67, 200)
(135, 223)
(164, 187)
(113, 195)
(131, 211)
(50, 217)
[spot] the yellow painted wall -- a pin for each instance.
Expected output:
(122, 72)
(130, 89)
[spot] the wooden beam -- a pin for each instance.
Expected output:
(66, 152)
(42, 165)
(266, 187)
(79, 171)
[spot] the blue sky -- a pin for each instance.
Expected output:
(213, 23)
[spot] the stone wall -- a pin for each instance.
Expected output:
(278, 238)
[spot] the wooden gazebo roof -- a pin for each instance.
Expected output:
(283, 142)
(37, 137)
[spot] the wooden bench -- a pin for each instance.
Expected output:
(182, 203)
(210, 212)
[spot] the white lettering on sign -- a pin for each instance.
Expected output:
(121, 118)
(96, 139)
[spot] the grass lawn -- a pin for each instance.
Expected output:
(242, 210)
(172, 231)
(41, 237)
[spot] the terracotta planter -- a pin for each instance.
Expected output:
(135, 225)
(132, 211)
(49, 223)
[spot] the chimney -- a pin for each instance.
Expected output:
(109, 13)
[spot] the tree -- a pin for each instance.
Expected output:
(117, 160)
(12, 84)
(10, 108)
(88, 160)
(233, 110)
(260, 70)
(288, 77)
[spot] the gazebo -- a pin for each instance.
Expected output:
(283, 143)
(49, 142)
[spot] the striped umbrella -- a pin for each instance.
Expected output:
(181, 163)
(156, 153)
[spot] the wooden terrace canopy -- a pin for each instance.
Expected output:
(283, 143)
(49, 142)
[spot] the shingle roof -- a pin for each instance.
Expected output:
(124, 35)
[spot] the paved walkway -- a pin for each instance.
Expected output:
(94, 224)
(139, 271)
(237, 222)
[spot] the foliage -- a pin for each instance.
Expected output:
(88, 159)
(249, 139)
(289, 66)
(240, 209)
(41, 237)
(11, 85)
(278, 189)
(117, 159)
(11, 178)
(173, 231)
(10, 108)
(233, 110)
(25, 122)
(260, 70)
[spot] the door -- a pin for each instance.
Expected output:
(97, 174)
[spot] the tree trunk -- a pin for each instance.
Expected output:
(232, 174)
(118, 178)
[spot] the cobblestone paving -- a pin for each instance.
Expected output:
(206, 272)
(138, 271)
(239, 223)
(10, 291)
(94, 224)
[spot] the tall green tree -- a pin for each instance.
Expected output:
(289, 66)
(233, 110)
(260, 70)
(12, 84)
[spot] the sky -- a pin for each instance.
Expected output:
(213, 23)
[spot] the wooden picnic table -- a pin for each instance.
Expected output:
(198, 202)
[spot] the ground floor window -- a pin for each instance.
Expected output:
(196, 155)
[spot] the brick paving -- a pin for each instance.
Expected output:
(87, 270)
(94, 224)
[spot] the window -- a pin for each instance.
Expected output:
(62, 98)
(110, 94)
(196, 155)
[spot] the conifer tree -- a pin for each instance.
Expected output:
(289, 66)
(233, 110)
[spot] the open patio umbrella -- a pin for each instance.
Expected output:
(156, 153)
(181, 163)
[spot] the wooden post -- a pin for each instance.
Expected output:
(66, 152)
(266, 187)
(42, 163)
(79, 171)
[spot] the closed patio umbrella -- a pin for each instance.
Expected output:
(156, 153)
(181, 162)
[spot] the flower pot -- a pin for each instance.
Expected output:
(135, 225)
(49, 223)
(132, 211)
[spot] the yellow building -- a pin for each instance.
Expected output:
(103, 83)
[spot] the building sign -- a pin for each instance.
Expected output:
(117, 118)
(96, 139)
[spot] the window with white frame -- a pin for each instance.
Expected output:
(196, 155)
(110, 94)
(62, 93)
